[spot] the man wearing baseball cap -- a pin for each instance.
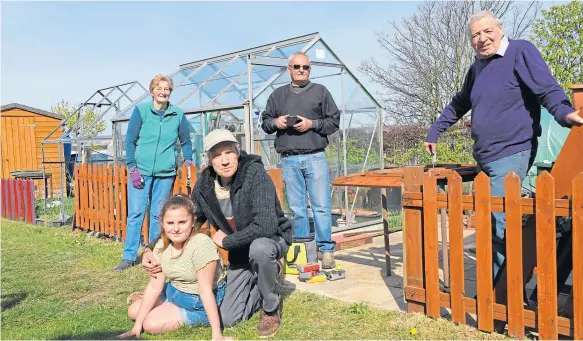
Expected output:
(236, 195)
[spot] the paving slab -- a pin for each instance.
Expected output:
(366, 279)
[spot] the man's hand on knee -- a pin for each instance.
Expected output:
(150, 264)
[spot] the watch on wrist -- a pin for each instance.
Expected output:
(133, 169)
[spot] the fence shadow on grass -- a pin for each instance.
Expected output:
(96, 335)
(12, 300)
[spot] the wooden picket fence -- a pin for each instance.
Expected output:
(421, 202)
(101, 198)
(18, 200)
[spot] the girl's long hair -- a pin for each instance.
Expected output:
(177, 202)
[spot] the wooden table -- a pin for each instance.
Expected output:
(393, 178)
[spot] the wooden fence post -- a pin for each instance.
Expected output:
(513, 209)
(547, 260)
(484, 271)
(577, 230)
(456, 241)
(413, 237)
(431, 246)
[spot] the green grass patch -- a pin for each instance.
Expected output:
(53, 209)
(58, 284)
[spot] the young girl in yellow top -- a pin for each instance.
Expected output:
(196, 277)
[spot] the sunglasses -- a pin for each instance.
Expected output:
(298, 66)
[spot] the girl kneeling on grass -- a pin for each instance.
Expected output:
(196, 277)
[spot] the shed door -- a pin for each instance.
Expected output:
(19, 150)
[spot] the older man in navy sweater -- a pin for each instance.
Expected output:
(504, 88)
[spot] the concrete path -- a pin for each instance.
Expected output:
(366, 279)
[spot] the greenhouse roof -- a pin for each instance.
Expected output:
(230, 80)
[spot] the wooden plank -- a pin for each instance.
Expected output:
(103, 198)
(387, 242)
(456, 240)
(414, 199)
(124, 200)
(17, 113)
(110, 192)
(117, 180)
(97, 199)
(3, 196)
(30, 144)
(12, 198)
(431, 246)
(76, 207)
(79, 194)
(30, 204)
(512, 193)
(32, 199)
(565, 325)
(276, 176)
(577, 227)
(146, 224)
(176, 188)
(546, 257)
(25, 143)
(19, 201)
(369, 181)
(90, 183)
(84, 196)
(413, 237)
(484, 253)
(444, 239)
(5, 154)
(10, 138)
(16, 147)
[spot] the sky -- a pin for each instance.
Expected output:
(68, 50)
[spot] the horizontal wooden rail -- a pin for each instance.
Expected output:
(565, 325)
(528, 205)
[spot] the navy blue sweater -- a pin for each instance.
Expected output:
(505, 94)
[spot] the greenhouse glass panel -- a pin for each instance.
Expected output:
(286, 51)
(320, 53)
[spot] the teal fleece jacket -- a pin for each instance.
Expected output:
(151, 138)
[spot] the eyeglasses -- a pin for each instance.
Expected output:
(298, 66)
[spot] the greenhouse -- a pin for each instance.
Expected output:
(230, 91)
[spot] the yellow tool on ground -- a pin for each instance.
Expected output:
(319, 278)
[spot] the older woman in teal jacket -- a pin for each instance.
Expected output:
(153, 130)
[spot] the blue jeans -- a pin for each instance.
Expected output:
(190, 305)
(160, 189)
(308, 174)
(519, 163)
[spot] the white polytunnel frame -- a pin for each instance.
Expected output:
(230, 91)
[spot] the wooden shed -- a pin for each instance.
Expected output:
(22, 130)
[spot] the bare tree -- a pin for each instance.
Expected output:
(430, 54)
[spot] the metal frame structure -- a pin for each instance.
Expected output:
(264, 67)
(117, 97)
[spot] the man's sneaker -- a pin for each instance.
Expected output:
(268, 324)
(124, 265)
(328, 261)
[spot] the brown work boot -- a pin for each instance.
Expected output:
(328, 261)
(268, 324)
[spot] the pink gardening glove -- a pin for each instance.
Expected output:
(137, 179)
(187, 163)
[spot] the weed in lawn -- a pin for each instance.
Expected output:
(358, 308)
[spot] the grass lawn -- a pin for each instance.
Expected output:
(58, 284)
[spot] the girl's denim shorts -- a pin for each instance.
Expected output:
(190, 305)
